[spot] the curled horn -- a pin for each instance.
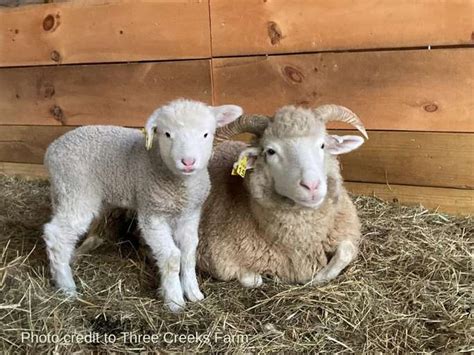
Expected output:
(340, 113)
(255, 124)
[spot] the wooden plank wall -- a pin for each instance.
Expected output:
(406, 67)
(72, 32)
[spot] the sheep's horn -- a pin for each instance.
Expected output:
(340, 113)
(255, 124)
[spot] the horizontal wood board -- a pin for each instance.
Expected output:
(414, 90)
(104, 31)
(246, 27)
(123, 94)
(442, 199)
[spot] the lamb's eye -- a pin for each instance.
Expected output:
(205, 135)
(167, 134)
(322, 146)
(270, 151)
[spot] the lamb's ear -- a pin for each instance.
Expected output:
(251, 154)
(342, 144)
(150, 128)
(226, 114)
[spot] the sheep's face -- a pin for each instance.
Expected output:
(294, 153)
(185, 132)
(296, 166)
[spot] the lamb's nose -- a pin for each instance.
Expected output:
(188, 162)
(310, 185)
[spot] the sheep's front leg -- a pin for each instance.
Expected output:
(250, 279)
(157, 234)
(346, 252)
(186, 237)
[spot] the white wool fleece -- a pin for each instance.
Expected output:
(96, 167)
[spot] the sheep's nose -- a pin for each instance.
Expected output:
(188, 162)
(310, 185)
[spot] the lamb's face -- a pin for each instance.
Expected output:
(185, 140)
(185, 132)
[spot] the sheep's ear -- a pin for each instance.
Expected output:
(251, 154)
(342, 144)
(226, 114)
(150, 129)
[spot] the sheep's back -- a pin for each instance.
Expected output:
(87, 147)
(97, 160)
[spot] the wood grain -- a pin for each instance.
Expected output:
(264, 27)
(27, 144)
(447, 200)
(104, 31)
(123, 94)
(416, 90)
(411, 158)
(29, 171)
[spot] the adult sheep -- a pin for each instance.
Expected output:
(95, 167)
(290, 216)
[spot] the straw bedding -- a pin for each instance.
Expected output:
(409, 290)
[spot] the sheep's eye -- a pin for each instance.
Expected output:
(167, 134)
(322, 146)
(270, 151)
(205, 135)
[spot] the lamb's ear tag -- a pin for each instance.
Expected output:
(240, 167)
(148, 137)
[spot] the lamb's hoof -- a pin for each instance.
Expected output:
(69, 292)
(193, 294)
(251, 280)
(175, 306)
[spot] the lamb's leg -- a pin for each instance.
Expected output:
(186, 237)
(346, 252)
(61, 236)
(157, 234)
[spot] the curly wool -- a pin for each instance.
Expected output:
(292, 122)
(247, 227)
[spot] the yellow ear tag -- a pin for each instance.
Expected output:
(240, 168)
(148, 139)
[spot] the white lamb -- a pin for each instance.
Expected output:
(97, 167)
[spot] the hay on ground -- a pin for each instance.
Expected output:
(410, 290)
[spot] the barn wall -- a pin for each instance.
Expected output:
(406, 67)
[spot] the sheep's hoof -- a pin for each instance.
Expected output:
(174, 306)
(320, 279)
(250, 280)
(194, 295)
(175, 302)
(69, 292)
